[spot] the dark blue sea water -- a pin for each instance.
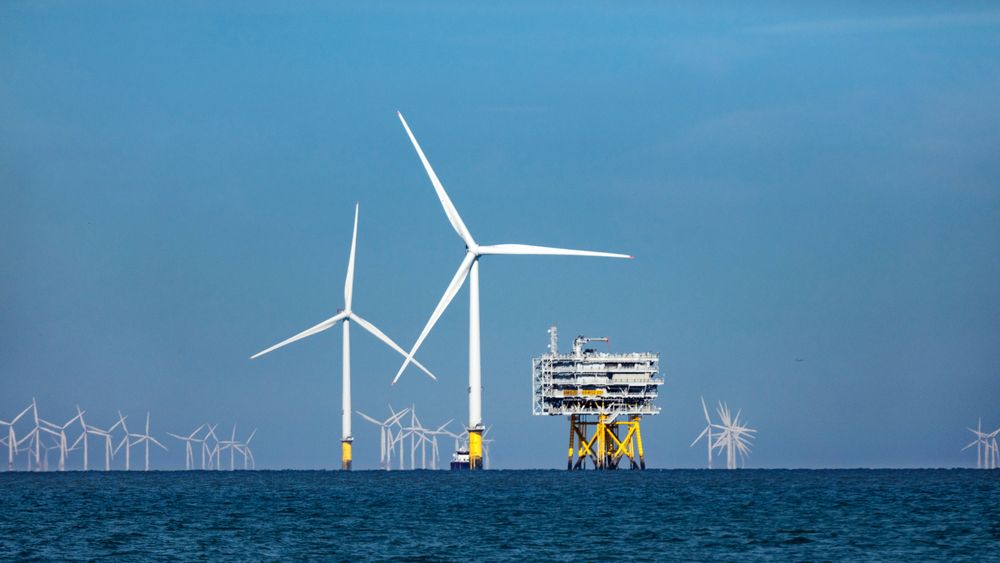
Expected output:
(502, 515)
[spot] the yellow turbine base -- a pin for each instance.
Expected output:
(475, 449)
(345, 455)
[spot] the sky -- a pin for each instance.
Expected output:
(797, 182)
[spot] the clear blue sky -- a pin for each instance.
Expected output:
(177, 184)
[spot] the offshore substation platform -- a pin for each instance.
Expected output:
(605, 397)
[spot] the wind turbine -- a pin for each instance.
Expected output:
(125, 441)
(189, 452)
(398, 439)
(36, 437)
(385, 435)
(986, 447)
(231, 445)
(734, 438)
(60, 436)
(979, 442)
(108, 448)
(145, 438)
(82, 437)
(345, 316)
(206, 451)
(244, 448)
(470, 268)
(435, 452)
(707, 432)
(12, 440)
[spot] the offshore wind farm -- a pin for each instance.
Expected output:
(542, 281)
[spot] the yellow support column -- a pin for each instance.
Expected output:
(572, 432)
(602, 442)
(475, 448)
(638, 441)
(345, 455)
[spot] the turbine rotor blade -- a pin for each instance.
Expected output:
(449, 207)
(388, 341)
(368, 418)
(527, 249)
(449, 294)
(305, 333)
(703, 432)
(349, 280)
(394, 419)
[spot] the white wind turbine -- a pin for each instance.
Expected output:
(233, 446)
(979, 442)
(84, 437)
(244, 449)
(345, 316)
(706, 433)
(125, 442)
(415, 431)
(435, 452)
(470, 268)
(734, 438)
(423, 438)
(36, 438)
(392, 440)
(385, 435)
(145, 439)
(12, 441)
(108, 447)
(209, 452)
(188, 450)
(59, 433)
(987, 456)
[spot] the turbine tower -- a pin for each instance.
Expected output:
(470, 268)
(144, 439)
(345, 316)
(706, 433)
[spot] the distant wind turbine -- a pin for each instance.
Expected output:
(706, 433)
(188, 450)
(58, 432)
(108, 448)
(385, 435)
(12, 440)
(208, 453)
(345, 316)
(734, 438)
(244, 448)
(986, 447)
(145, 439)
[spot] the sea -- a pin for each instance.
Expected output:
(653, 515)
